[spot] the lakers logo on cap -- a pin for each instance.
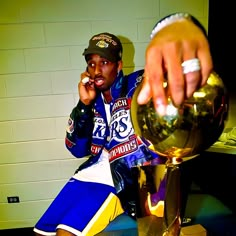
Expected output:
(102, 44)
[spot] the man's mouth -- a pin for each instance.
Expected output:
(99, 82)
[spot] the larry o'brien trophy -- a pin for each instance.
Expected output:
(178, 136)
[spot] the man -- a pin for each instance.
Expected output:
(100, 125)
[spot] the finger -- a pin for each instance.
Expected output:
(192, 74)
(153, 81)
(175, 77)
(145, 92)
(191, 68)
(206, 63)
(193, 82)
(198, 78)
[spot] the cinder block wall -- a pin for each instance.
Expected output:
(41, 45)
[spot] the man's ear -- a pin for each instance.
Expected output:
(120, 65)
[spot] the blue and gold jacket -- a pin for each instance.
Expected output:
(89, 132)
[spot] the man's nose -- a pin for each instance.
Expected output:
(97, 70)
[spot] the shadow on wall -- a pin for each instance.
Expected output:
(128, 54)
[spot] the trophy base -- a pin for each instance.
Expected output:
(193, 230)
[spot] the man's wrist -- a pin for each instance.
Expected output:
(176, 17)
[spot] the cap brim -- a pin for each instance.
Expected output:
(100, 53)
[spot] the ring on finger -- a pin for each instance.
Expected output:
(85, 80)
(191, 65)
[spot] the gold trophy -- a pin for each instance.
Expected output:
(178, 136)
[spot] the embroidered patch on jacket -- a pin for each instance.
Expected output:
(69, 144)
(70, 126)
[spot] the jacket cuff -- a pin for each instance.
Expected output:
(83, 109)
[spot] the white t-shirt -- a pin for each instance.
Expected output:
(99, 172)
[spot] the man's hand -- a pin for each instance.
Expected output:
(169, 48)
(87, 92)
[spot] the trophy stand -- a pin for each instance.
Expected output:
(171, 218)
(158, 183)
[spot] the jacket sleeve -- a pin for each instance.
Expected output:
(79, 130)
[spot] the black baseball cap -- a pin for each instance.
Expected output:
(106, 45)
